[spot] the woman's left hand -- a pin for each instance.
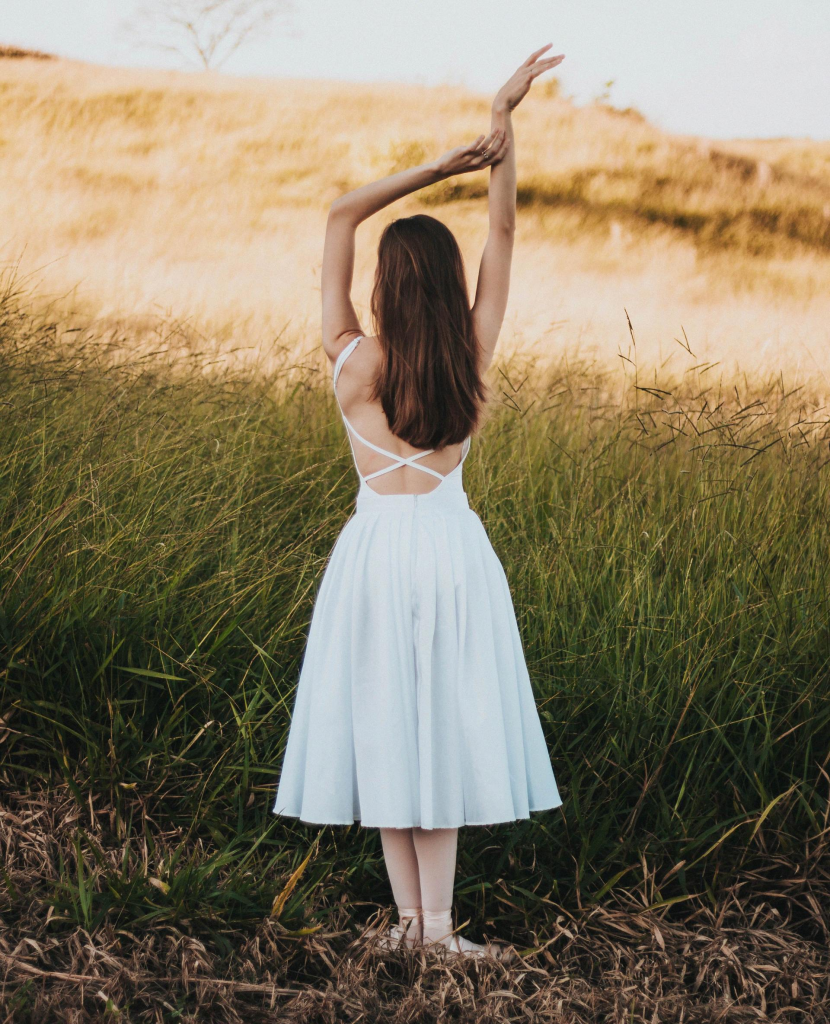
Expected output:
(486, 150)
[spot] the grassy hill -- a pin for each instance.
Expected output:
(204, 197)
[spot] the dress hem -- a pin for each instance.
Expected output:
(462, 824)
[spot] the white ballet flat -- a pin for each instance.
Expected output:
(458, 946)
(393, 938)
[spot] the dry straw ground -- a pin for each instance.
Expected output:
(757, 953)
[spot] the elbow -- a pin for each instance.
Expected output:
(337, 207)
(341, 211)
(504, 227)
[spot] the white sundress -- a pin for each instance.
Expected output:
(414, 706)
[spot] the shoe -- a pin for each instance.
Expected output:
(394, 937)
(458, 946)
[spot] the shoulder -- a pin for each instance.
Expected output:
(361, 364)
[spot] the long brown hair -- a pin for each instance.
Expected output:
(429, 384)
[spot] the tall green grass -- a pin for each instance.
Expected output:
(162, 535)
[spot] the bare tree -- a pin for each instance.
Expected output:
(206, 32)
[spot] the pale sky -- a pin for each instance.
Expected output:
(718, 68)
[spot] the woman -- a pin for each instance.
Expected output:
(414, 711)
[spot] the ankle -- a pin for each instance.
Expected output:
(437, 925)
(409, 919)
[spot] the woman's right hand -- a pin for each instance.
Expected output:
(516, 87)
(486, 150)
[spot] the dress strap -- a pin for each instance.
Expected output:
(344, 355)
(399, 460)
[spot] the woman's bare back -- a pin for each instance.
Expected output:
(354, 385)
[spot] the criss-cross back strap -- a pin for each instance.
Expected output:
(399, 460)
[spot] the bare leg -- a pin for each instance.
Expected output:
(402, 868)
(436, 849)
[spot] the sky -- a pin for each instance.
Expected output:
(717, 68)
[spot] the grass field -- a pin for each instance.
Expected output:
(174, 475)
(163, 535)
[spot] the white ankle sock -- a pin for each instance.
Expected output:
(409, 919)
(437, 925)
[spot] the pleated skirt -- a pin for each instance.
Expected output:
(414, 705)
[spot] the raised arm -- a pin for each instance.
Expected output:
(494, 273)
(340, 321)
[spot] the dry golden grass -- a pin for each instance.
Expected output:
(204, 198)
(758, 952)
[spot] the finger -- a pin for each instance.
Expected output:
(498, 142)
(498, 154)
(491, 138)
(496, 137)
(488, 143)
(493, 154)
(547, 65)
(482, 145)
(536, 55)
(473, 147)
(548, 62)
(494, 157)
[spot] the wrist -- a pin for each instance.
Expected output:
(435, 171)
(500, 108)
